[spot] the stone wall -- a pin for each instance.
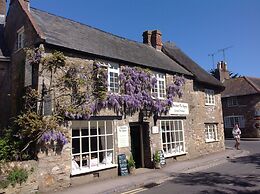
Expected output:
(30, 186)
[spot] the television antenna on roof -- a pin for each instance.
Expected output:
(212, 57)
(223, 50)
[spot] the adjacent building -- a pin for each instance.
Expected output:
(193, 126)
(240, 102)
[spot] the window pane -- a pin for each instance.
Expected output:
(85, 144)
(84, 132)
(75, 132)
(109, 127)
(75, 145)
(93, 144)
(101, 127)
(85, 160)
(110, 142)
(102, 143)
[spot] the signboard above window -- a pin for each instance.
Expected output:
(179, 108)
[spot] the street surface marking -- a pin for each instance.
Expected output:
(135, 191)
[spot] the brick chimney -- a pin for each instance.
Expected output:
(156, 39)
(27, 3)
(222, 72)
(153, 38)
(2, 11)
(147, 35)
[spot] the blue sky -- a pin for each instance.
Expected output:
(198, 27)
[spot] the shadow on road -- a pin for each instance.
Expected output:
(251, 159)
(219, 183)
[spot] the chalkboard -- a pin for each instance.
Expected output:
(122, 165)
(162, 158)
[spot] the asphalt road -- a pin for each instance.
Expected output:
(239, 175)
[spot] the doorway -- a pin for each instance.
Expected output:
(140, 144)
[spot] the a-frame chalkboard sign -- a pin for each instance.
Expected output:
(122, 165)
(162, 158)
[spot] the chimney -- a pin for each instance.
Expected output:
(153, 38)
(2, 11)
(27, 3)
(222, 72)
(147, 35)
(156, 39)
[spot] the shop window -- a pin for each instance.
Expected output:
(159, 90)
(113, 78)
(211, 132)
(20, 38)
(230, 121)
(172, 137)
(92, 146)
(209, 97)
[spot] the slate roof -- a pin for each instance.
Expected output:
(66, 33)
(241, 86)
(180, 57)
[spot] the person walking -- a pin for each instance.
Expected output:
(236, 134)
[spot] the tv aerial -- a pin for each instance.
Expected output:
(223, 50)
(212, 57)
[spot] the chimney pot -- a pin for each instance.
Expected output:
(223, 73)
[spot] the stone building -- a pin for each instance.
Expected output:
(240, 103)
(193, 126)
(4, 72)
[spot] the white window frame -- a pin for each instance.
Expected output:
(20, 38)
(177, 137)
(232, 101)
(113, 68)
(230, 121)
(211, 132)
(209, 97)
(86, 157)
(157, 90)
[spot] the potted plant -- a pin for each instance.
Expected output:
(157, 160)
(131, 164)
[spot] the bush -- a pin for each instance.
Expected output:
(131, 162)
(157, 157)
(17, 176)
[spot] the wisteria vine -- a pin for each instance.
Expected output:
(82, 90)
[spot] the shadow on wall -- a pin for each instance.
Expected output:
(220, 183)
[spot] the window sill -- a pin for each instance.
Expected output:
(209, 104)
(175, 154)
(93, 169)
(211, 140)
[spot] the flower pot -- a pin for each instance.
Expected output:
(132, 170)
(157, 165)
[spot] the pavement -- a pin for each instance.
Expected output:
(149, 177)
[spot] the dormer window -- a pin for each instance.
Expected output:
(113, 77)
(159, 90)
(20, 38)
(209, 97)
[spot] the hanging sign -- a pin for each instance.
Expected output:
(123, 136)
(179, 108)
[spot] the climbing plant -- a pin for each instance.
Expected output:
(78, 90)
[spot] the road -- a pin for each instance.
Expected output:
(239, 175)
